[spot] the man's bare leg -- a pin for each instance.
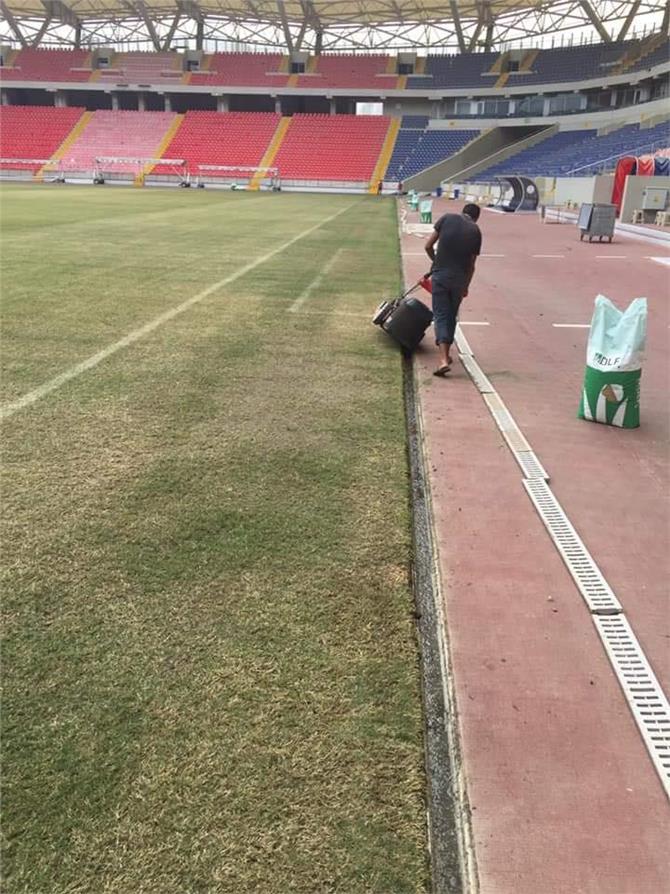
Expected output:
(445, 351)
(445, 359)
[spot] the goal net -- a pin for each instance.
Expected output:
(236, 176)
(121, 168)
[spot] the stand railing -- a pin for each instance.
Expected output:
(644, 149)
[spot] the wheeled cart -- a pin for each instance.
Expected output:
(597, 221)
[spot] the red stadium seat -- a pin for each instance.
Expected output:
(49, 65)
(214, 138)
(125, 134)
(34, 132)
(331, 147)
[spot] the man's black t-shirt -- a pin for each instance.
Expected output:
(459, 239)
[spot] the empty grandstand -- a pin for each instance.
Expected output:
(574, 152)
(489, 106)
(31, 135)
(221, 140)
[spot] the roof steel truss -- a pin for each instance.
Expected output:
(377, 25)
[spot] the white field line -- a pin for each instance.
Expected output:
(664, 261)
(474, 323)
(547, 256)
(611, 257)
(10, 408)
(315, 283)
(492, 256)
(571, 325)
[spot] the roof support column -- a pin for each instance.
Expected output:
(301, 35)
(13, 24)
(284, 23)
(488, 39)
(475, 36)
(43, 29)
(457, 25)
(595, 21)
(665, 24)
(629, 20)
(151, 30)
(173, 28)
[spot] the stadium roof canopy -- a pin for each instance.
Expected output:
(328, 25)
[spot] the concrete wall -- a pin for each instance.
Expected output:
(396, 109)
(656, 111)
(632, 195)
(497, 143)
(576, 190)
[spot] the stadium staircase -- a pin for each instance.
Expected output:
(229, 138)
(119, 134)
(271, 152)
(569, 64)
(64, 148)
(35, 132)
(385, 155)
(650, 51)
(143, 69)
(161, 151)
(342, 148)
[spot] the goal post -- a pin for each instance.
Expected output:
(123, 168)
(237, 177)
(22, 168)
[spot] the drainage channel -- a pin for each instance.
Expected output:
(448, 825)
(646, 699)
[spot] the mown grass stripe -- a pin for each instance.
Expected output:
(27, 399)
(210, 671)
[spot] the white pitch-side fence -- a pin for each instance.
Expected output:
(125, 170)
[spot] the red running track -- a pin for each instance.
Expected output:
(564, 797)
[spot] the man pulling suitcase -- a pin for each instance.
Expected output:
(459, 242)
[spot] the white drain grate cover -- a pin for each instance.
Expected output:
(476, 374)
(643, 692)
(462, 343)
(506, 423)
(530, 464)
(586, 574)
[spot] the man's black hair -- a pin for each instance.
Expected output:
(472, 211)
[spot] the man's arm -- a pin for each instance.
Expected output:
(470, 273)
(430, 243)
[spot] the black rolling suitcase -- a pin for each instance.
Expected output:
(405, 319)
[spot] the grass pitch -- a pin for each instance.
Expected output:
(210, 670)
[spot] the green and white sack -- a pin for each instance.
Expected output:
(614, 355)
